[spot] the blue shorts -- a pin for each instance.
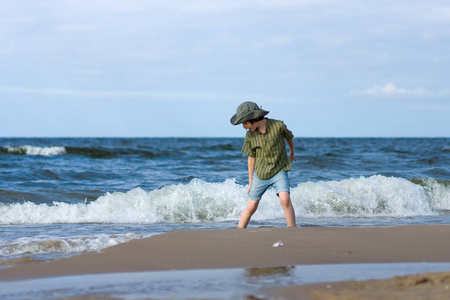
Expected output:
(259, 186)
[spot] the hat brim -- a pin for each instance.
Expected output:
(250, 116)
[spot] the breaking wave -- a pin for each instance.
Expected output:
(74, 244)
(33, 150)
(200, 201)
(93, 152)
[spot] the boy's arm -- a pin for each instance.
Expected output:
(291, 149)
(251, 169)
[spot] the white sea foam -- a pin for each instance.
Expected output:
(438, 193)
(33, 150)
(74, 244)
(200, 201)
(365, 197)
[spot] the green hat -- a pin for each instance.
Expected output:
(247, 111)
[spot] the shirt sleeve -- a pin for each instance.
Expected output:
(246, 148)
(287, 133)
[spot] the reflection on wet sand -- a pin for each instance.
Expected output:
(269, 271)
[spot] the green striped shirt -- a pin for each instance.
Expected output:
(269, 149)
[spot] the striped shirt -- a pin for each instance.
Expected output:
(269, 149)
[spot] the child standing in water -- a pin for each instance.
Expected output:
(266, 149)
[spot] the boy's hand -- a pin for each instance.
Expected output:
(291, 157)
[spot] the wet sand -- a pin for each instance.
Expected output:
(426, 286)
(248, 248)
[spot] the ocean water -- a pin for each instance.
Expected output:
(65, 196)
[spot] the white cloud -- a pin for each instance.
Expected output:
(150, 95)
(141, 95)
(147, 95)
(391, 89)
(438, 14)
(328, 39)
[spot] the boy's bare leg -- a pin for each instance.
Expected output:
(289, 213)
(248, 212)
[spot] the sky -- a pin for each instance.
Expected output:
(178, 68)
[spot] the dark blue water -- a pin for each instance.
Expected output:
(91, 167)
(69, 195)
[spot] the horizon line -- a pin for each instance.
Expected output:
(212, 137)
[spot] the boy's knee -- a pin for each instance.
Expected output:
(252, 206)
(285, 199)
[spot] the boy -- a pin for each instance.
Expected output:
(264, 144)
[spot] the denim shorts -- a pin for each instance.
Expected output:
(280, 182)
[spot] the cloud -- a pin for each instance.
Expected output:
(391, 89)
(150, 95)
(142, 95)
(147, 95)
(438, 14)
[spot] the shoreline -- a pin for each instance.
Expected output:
(253, 247)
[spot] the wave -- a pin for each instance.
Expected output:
(93, 152)
(111, 153)
(200, 201)
(33, 150)
(375, 196)
(74, 244)
(438, 191)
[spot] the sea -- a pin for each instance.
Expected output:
(66, 196)
(61, 197)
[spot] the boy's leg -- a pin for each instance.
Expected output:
(289, 213)
(248, 212)
(257, 189)
(281, 184)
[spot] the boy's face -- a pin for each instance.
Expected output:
(248, 125)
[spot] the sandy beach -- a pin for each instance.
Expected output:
(430, 286)
(249, 248)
